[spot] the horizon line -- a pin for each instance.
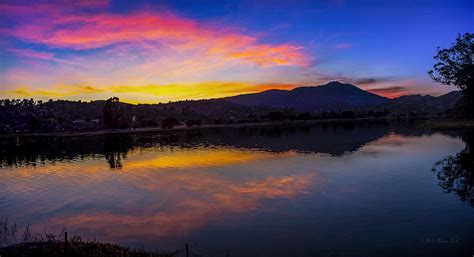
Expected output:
(128, 101)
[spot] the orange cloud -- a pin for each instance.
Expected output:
(80, 31)
(390, 92)
(185, 189)
(84, 51)
(404, 87)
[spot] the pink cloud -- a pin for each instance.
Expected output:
(51, 7)
(42, 56)
(32, 54)
(407, 87)
(79, 31)
(390, 92)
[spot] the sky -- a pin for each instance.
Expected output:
(160, 51)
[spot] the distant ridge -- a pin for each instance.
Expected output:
(331, 96)
(423, 103)
(337, 96)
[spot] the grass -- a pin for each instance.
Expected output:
(76, 248)
(29, 244)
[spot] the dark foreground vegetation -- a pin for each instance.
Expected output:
(456, 172)
(76, 248)
(455, 67)
(29, 244)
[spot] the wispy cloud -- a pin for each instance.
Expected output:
(356, 80)
(58, 28)
(393, 91)
(342, 46)
(42, 56)
(145, 54)
(405, 86)
(86, 49)
(387, 86)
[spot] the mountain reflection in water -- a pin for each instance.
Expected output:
(359, 188)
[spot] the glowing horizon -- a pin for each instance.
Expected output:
(152, 53)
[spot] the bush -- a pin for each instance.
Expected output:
(169, 123)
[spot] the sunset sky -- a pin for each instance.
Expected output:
(157, 51)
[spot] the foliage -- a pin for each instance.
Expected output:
(456, 173)
(348, 115)
(455, 66)
(49, 244)
(304, 116)
(169, 123)
(114, 115)
(29, 116)
(277, 115)
(191, 123)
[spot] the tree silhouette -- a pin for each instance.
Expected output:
(455, 67)
(456, 173)
(276, 115)
(111, 111)
(169, 123)
(33, 124)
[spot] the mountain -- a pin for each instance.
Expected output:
(423, 103)
(333, 96)
(337, 96)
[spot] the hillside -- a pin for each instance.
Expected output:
(337, 96)
(422, 103)
(334, 96)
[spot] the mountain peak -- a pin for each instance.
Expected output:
(338, 84)
(335, 83)
(333, 86)
(331, 96)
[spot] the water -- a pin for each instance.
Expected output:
(352, 189)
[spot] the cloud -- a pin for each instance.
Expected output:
(393, 91)
(387, 86)
(343, 46)
(79, 30)
(144, 55)
(374, 80)
(41, 55)
(355, 80)
(397, 88)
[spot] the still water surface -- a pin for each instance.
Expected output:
(359, 189)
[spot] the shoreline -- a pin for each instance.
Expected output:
(444, 124)
(430, 122)
(184, 128)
